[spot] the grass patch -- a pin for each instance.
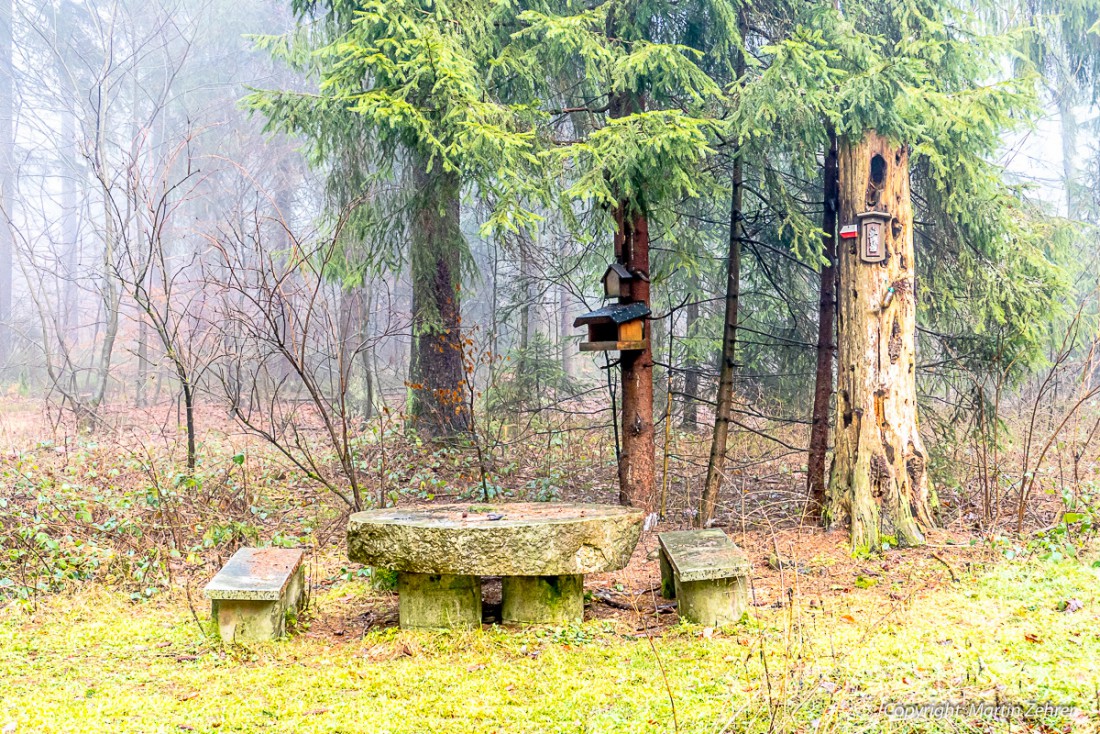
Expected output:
(97, 662)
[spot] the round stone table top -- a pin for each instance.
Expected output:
(502, 539)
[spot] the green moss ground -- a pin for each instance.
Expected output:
(96, 662)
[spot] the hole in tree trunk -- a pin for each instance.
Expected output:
(876, 181)
(878, 169)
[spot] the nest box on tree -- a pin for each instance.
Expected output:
(619, 327)
(872, 236)
(618, 281)
(871, 233)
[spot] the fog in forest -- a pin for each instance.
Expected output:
(209, 230)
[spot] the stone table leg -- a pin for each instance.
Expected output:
(543, 599)
(427, 600)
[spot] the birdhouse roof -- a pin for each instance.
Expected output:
(620, 270)
(873, 214)
(618, 313)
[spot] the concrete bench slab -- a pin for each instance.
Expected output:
(541, 550)
(706, 573)
(253, 593)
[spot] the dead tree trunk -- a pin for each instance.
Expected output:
(716, 465)
(436, 368)
(880, 486)
(826, 330)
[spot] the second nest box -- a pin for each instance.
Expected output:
(618, 281)
(619, 327)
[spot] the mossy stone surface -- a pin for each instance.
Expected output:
(543, 599)
(508, 539)
(249, 619)
(713, 602)
(438, 601)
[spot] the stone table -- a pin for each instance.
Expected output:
(541, 550)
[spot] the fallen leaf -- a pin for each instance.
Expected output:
(1071, 605)
(476, 666)
(188, 696)
(316, 712)
(708, 632)
(848, 618)
(1033, 638)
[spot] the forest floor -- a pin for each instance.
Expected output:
(103, 627)
(832, 649)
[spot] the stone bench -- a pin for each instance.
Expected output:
(252, 595)
(706, 574)
(540, 550)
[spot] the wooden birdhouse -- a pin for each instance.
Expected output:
(872, 236)
(617, 281)
(619, 327)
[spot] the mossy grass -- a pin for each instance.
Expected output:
(97, 662)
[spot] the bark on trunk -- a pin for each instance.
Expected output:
(880, 486)
(637, 461)
(525, 298)
(637, 457)
(566, 323)
(437, 401)
(366, 302)
(826, 330)
(716, 464)
(691, 367)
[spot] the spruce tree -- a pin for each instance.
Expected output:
(405, 87)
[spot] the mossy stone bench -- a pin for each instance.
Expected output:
(254, 592)
(540, 550)
(707, 575)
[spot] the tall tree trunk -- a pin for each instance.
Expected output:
(1068, 121)
(7, 177)
(110, 290)
(637, 456)
(691, 365)
(880, 485)
(365, 306)
(716, 464)
(70, 228)
(826, 329)
(637, 459)
(436, 368)
(354, 356)
(525, 299)
(566, 323)
(137, 234)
